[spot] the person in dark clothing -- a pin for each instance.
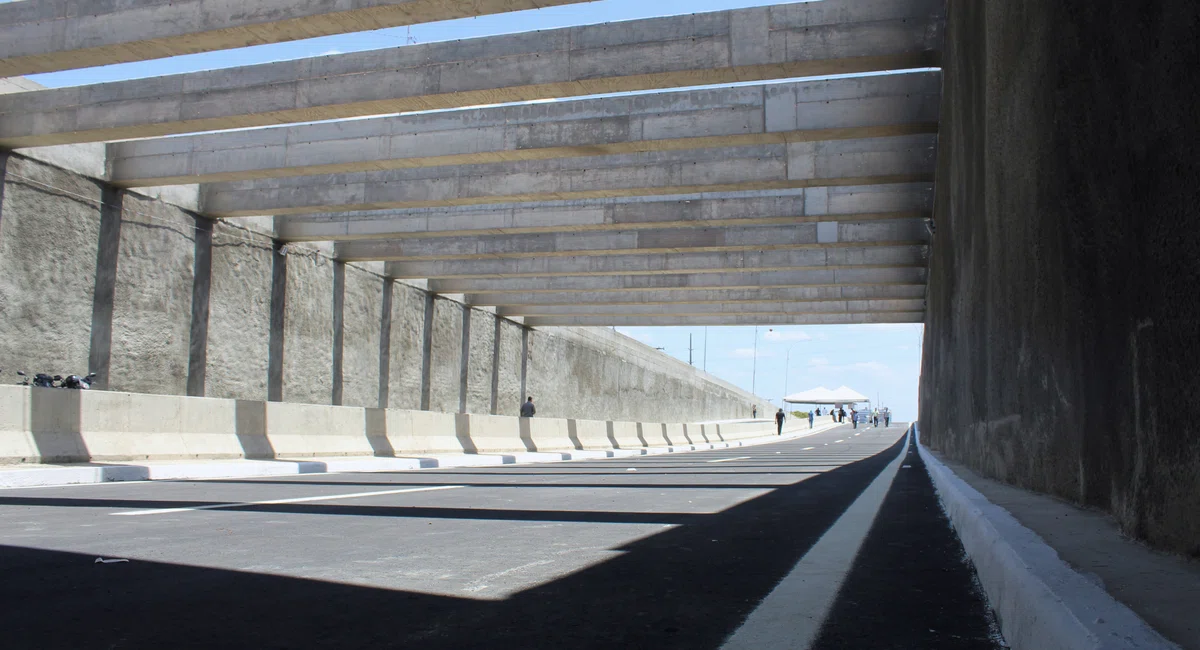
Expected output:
(754, 412)
(527, 409)
(779, 422)
(841, 416)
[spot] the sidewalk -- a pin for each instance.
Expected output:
(18, 476)
(1060, 576)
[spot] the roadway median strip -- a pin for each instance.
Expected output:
(273, 502)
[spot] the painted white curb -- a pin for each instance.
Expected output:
(1042, 603)
(27, 477)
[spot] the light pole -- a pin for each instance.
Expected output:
(754, 366)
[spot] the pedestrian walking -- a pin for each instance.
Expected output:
(754, 412)
(810, 420)
(854, 418)
(841, 415)
(779, 422)
(527, 409)
(887, 418)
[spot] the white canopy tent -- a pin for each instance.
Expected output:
(822, 395)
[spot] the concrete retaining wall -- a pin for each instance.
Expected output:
(39, 425)
(1060, 351)
(158, 299)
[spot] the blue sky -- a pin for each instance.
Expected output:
(877, 360)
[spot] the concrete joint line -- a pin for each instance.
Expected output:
(1040, 600)
(791, 616)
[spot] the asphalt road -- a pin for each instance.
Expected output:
(746, 547)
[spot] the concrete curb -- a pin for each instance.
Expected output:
(33, 476)
(1042, 603)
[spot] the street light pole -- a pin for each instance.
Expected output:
(754, 366)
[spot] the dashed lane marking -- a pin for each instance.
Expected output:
(728, 460)
(328, 497)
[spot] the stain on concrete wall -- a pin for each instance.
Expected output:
(408, 321)
(152, 310)
(447, 355)
(360, 347)
(49, 229)
(308, 333)
(1061, 347)
(239, 319)
(479, 376)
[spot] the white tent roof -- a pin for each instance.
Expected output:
(822, 395)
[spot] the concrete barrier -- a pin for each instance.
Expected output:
(61, 426)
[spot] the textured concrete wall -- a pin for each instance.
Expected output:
(479, 367)
(447, 355)
(50, 234)
(49, 229)
(152, 311)
(360, 365)
(508, 380)
(239, 314)
(1061, 347)
(408, 318)
(308, 332)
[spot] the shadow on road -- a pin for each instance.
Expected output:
(686, 587)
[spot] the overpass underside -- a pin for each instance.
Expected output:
(574, 176)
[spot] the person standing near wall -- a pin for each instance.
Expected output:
(527, 409)
(779, 423)
(754, 412)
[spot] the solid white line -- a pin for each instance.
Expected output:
(726, 460)
(793, 613)
(328, 497)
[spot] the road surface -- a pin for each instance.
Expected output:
(830, 541)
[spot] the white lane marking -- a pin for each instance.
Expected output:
(837, 441)
(793, 613)
(273, 502)
(727, 460)
(808, 449)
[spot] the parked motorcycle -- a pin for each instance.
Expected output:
(72, 382)
(75, 382)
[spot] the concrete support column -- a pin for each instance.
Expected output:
(339, 332)
(524, 363)
(201, 292)
(385, 343)
(495, 403)
(112, 201)
(278, 316)
(427, 354)
(464, 366)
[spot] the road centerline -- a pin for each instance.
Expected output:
(327, 497)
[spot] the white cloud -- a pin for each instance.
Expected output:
(330, 52)
(782, 337)
(889, 327)
(873, 368)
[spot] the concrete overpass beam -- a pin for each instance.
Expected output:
(668, 320)
(819, 278)
(803, 39)
(673, 240)
(746, 308)
(741, 116)
(902, 159)
(658, 264)
(854, 203)
(697, 296)
(44, 36)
